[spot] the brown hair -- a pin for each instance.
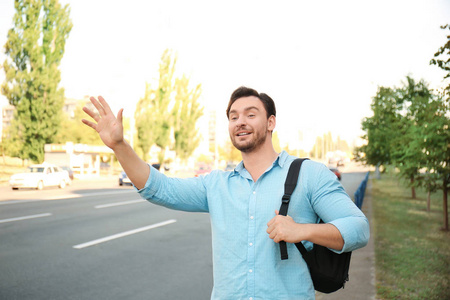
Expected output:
(243, 91)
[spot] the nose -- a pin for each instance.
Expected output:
(240, 122)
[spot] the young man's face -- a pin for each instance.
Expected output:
(248, 124)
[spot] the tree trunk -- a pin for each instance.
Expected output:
(377, 171)
(445, 208)
(413, 189)
(428, 201)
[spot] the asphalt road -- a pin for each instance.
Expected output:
(96, 240)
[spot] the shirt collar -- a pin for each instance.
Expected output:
(281, 160)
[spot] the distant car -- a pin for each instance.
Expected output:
(40, 176)
(69, 170)
(123, 179)
(336, 172)
(230, 167)
(203, 169)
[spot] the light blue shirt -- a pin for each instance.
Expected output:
(246, 261)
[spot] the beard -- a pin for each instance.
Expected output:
(253, 144)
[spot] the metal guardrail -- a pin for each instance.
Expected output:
(360, 191)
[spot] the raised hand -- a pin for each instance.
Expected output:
(109, 128)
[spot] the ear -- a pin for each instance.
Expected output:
(271, 122)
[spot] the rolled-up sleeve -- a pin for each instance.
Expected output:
(186, 194)
(354, 231)
(333, 205)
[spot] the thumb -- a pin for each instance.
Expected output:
(119, 115)
(277, 212)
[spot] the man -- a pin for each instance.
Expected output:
(243, 203)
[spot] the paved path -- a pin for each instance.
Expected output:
(361, 284)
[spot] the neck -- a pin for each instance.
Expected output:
(257, 161)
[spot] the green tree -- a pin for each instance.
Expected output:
(144, 116)
(154, 118)
(11, 145)
(34, 50)
(186, 111)
(162, 123)
(432, 141)
(380, 129)
(168, 112)
(439, 162)
(442, 60)
(413, 101)
(437, 147)
(71, 131)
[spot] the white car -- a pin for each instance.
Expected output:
(40, 176)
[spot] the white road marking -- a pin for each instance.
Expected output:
(17, 201)
(87, 195)
(126, 233)
(64, 197)
(120, 203)
(25, 218)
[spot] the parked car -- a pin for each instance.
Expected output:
(202, 169)
(69, 170)
(40, 176)
(230, 167)
(336, 172)
(123, 179)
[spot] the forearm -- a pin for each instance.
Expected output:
(326, 235)
(283, 228)
(137, 170)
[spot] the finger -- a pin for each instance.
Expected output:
(119, 115)
(91, 113)
(277, 212)
(98, 106)
(104, 104)
(90, 124)
(271, 222)
(273, 236)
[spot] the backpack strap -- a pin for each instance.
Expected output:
(289, 186)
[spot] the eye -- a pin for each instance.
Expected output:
(251, 115)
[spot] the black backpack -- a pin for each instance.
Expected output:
(329, 270)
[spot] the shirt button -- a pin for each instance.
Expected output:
(254, 192)
(251, 244)
(251, 217)
(250, 270)
(251, 298)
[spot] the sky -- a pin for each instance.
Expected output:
(321, 61)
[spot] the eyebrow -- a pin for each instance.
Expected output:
(245, 109)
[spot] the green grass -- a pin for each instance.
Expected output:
(412, 252)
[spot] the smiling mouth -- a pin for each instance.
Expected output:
(243, 133)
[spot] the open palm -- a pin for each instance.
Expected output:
(109, 128)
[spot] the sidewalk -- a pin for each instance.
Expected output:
(361, 284)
